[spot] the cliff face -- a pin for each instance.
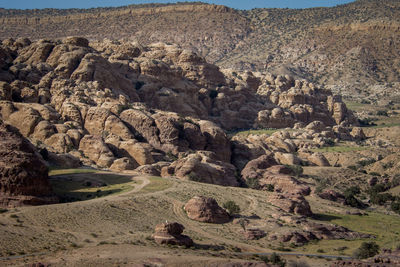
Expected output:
(23, 175)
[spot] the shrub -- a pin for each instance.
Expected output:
(381, 199)
(252, 183)
(3, 210)
(395, 206)
(270, 187)
(213, 94)
(139, 85)
(350, 197)
(297, 170)
(231, 207)
(382, 113)
(366, 250)
(366, 162)
(194, 177)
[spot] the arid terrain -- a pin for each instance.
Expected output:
(126, 148)
(352, 49)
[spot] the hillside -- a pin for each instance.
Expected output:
(352, 49)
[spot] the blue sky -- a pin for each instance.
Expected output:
(239, 4)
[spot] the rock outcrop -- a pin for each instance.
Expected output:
(207, 210)
(171, 234)
(23, 179)
(291, 203)
(202, 166)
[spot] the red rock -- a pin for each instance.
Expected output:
(23, 174)
(204, 209)
(171, 234)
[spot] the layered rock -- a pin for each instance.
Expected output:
(204, 209)
(291, 203)
(171, 234)
(202, 166)
(24, 179)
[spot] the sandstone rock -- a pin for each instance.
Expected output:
(217, 141)
(23, 174)
(204, 209)
(95, 149)
(140, 152)
(203, 166)
(284, 183)
(153, 169)
(171, 234)
(78, 41)
(25, 120)
(287, 158)
(255, 168)
(318, 159)
(332, 196)
(316, 126)
(63, 160)
(253, 234)
(122, 164)
(358, 134)
(296, 204)
(5, 91)
(59, 143)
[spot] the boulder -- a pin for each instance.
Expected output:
(171, 234)
(318, 159)
(253, 234)
(122, 164)
(332, 196)
(204, 209)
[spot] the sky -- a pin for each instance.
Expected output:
(238, 4)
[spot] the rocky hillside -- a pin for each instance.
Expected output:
(123, 106)
(352, 49)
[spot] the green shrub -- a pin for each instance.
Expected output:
(381, 199)
(382, 113)
(395, 206)
(297, 169)
(252, 183)
(366, 250)
(194, 177)
(270, 187)
(366, 162)
(231, 207)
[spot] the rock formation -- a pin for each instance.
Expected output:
(171, 234)
(204, 209)
(23, 179)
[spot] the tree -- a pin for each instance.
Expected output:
(366, 250)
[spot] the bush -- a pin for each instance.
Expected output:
(395, 206)
(350, 197)
(366, 162)
(381, 199)
(297, 170)
(231, 207)
(252, 183)
(270, 187)
(382, 113)
(366, 250)
(194, 177)
(213, 94)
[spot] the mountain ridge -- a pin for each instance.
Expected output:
(313, 42)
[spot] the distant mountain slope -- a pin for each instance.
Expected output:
(353, 49)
